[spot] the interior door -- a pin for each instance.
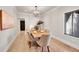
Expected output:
(22, 25)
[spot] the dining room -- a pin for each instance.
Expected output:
(40, 30)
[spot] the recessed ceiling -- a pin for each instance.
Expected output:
(30, 9)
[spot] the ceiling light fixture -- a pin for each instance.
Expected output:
(36, 12)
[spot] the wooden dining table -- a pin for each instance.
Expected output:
(41, 42)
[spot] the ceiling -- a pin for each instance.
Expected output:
(30, 9)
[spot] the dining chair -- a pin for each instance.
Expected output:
(43, 42)
(32, 40)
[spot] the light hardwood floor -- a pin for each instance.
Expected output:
(20, 45)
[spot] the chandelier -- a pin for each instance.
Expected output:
(36, 12)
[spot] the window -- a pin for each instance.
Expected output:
(72, 23)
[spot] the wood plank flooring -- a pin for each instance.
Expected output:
(20, 45)
(58, 46)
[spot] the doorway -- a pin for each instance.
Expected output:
(22, 25)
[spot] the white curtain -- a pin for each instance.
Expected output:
(76, 24)
(69, 25)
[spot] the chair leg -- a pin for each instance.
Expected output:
(30, 44)
(48, 49)
(42, 49)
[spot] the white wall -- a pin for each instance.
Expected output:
(6, 36)
(55, 23)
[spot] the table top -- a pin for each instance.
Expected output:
(39, 33)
